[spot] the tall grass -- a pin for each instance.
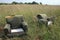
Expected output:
(29, 12)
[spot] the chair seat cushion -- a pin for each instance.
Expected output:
(17, 30)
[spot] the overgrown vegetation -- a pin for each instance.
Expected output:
(35, 30)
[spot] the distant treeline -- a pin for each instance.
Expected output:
(20, 3)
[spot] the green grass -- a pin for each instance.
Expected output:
(29, 12)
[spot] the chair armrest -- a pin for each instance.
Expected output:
(7, 26)
(25, 26)
(24, 23)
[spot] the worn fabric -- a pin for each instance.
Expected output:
(15, 21)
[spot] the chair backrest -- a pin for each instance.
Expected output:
(42, 16)
(15, 21)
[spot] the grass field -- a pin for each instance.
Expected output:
(36, 32)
